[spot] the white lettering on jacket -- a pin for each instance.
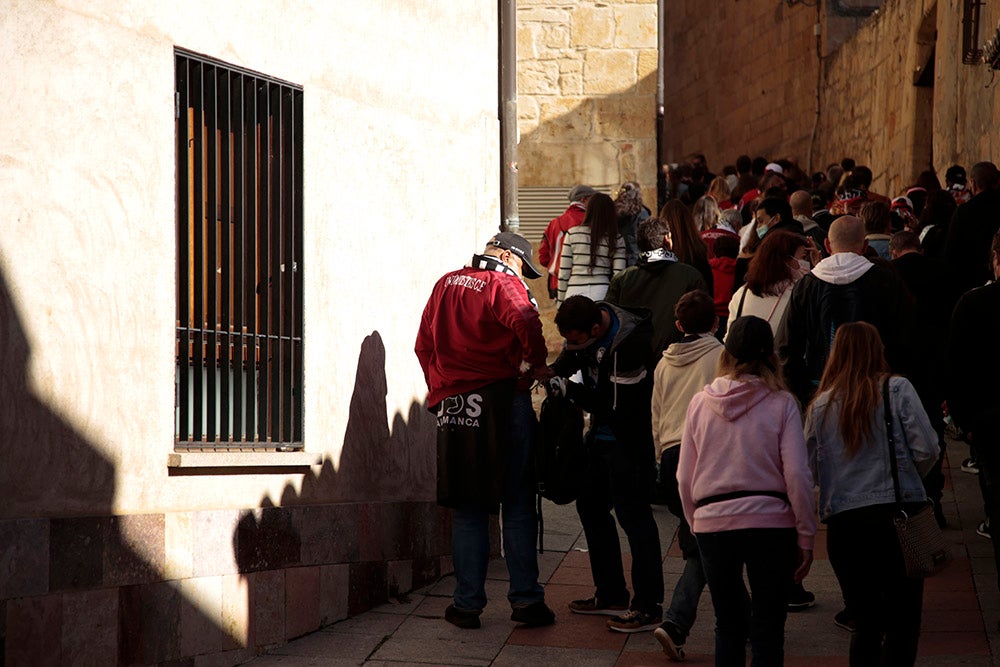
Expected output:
(465, 281)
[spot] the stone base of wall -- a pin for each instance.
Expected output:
(205, 588)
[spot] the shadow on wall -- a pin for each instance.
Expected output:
(72, 588)
(604, 140)
(359, 532)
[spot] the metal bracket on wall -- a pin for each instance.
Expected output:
(854, 9)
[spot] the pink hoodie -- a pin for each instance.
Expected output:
(739, 435)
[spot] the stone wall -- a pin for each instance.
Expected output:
(750, 86)
(587, 93)
(740, 77)
(872, 111)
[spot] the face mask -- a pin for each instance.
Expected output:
(804, 265)
(761, 230)
(581, 346)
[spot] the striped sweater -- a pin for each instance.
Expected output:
(575, 273)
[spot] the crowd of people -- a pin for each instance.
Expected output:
(767, 332)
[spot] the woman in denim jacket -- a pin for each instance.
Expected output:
(849, 457)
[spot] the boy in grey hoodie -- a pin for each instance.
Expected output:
(684, 370)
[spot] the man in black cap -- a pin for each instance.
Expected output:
(551, 249)
(972, 227)
(956, 184)
(480, 346)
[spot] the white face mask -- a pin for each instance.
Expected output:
(804, 265)
(761, 230)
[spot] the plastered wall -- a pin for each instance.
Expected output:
(401, 184)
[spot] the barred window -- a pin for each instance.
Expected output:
(239, 258)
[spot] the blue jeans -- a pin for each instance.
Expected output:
(770, 556)
(622, 478)
(470, 530)
(683, 609)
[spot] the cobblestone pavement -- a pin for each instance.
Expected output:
(961, 610)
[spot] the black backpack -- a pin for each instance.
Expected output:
(561, 458)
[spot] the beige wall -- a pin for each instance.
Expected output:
(401, 184)
(587, 93)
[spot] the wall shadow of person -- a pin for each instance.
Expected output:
(73, 589)
(373, 512)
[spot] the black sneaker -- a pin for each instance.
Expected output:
(672, 640)
(596, 607)
(535, 615)
(634, 621)
(983, 529)
(466, 619)
(970, 465)
(800, 599)
(842, 619)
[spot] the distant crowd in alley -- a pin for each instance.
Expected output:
(770, 350)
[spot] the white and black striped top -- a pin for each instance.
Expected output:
(574, 264)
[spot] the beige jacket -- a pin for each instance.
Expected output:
(683, 371)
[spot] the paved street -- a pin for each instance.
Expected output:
(959, 606)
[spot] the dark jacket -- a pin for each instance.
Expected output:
(818, 307)
(970, 233)
(618, 381)
(932, 293)
(628, 226)
(974, 360)
(656, 286)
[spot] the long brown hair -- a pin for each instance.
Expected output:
(770, 269)
(853, 376)
(684, 238)
(603, 223)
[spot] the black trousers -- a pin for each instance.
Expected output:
(886, 604)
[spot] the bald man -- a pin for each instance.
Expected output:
(844, 287)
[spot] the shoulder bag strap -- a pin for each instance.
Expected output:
(739, 311)
(892, 443)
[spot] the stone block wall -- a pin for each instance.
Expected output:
(209, 587)
(740, 77)
(872, 111)
(587, 93)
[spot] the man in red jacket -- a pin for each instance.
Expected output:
(551, 249)
(480, 345)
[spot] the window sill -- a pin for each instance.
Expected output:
(243, 459)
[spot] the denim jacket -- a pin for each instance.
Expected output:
(866, 479)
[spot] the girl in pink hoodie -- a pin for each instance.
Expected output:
(747, 492)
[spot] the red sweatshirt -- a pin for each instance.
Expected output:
(477, 328)
(551, 248)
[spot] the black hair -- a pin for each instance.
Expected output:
(696, 312)
(578, 313)
(743, 164)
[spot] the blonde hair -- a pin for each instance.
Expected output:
(765, 369)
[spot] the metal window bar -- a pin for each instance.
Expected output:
(239, 245)
(971, 53)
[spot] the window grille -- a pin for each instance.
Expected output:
(971, 53)
(239, 258)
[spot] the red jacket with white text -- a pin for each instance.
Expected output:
(477, 328)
